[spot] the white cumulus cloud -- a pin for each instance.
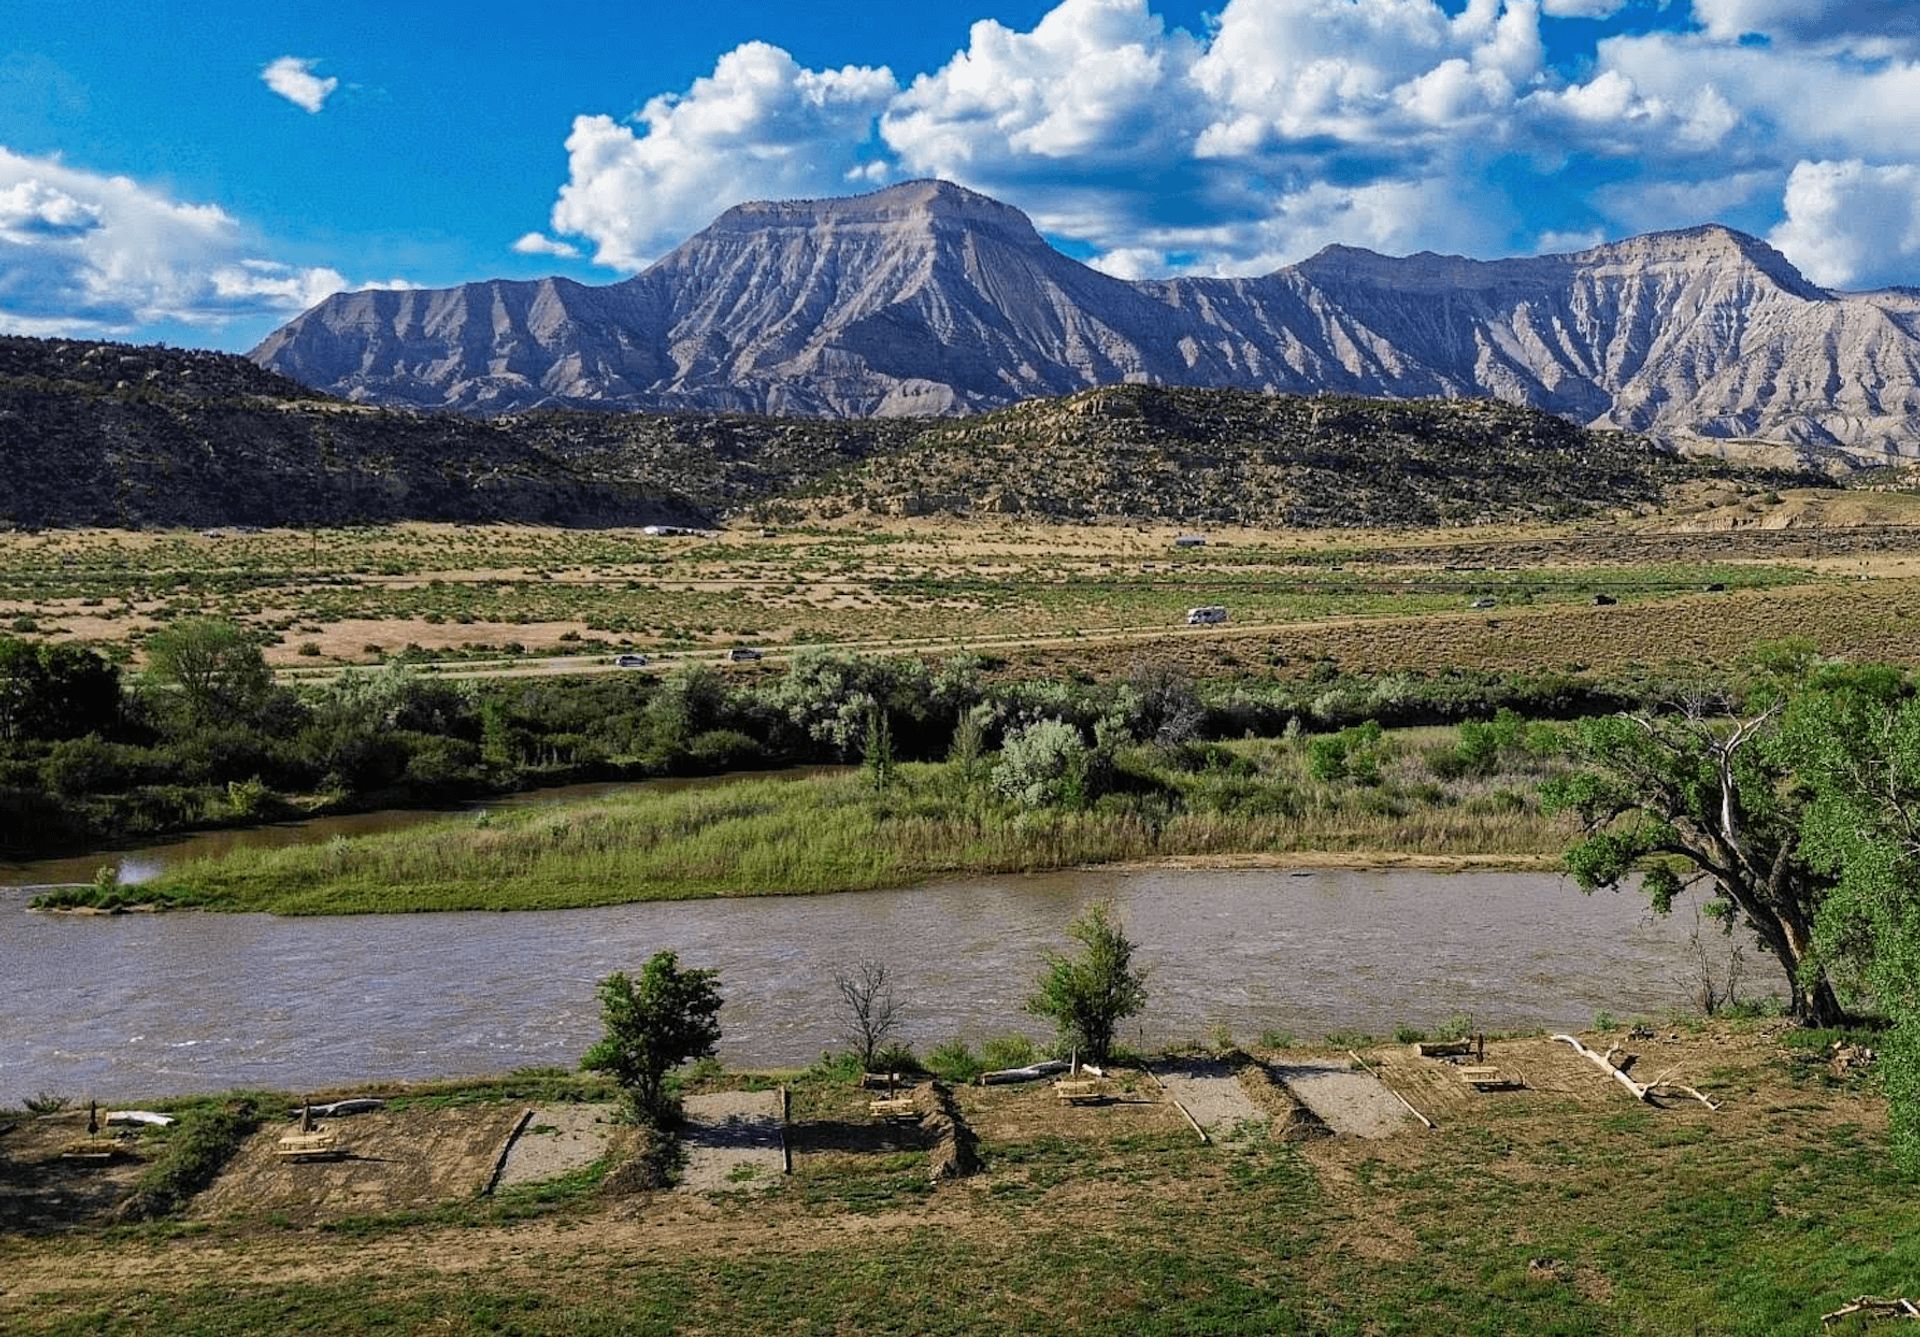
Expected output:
(1096, 82)
(292, 77)
(87, 254)
(1852, 223)
(759, 126)
(539, 243)
(1864, 27)
(1282, 125)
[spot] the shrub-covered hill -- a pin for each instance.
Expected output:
(108, 434)
(1234, 457)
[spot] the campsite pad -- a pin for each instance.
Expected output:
(1024, 1112)
(1211, 1092)
(41, 1191)
(397, 1160)
(735, 1140)
(557, 1140)
(1347, 1100)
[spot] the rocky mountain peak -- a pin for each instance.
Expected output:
(907, 203)
(1709, 246)
(925, 297)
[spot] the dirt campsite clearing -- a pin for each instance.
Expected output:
(1211, 1091)
(1562, 1205)
(555, 1140)
(393, 1160)
(43, 1187)
(734, 1140)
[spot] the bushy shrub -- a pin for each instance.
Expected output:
(724, 749)
(1042, 765)
(955, 1062)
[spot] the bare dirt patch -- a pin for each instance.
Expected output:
(735, 1140)
(558, 1140)
(41, 1190)
(1030, 1111)
(1210, 1090)
(397, 1160)
(1347, 1100)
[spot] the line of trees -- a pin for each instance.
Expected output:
(669, 1015)
(204, 736)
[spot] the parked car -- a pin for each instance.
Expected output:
(630, 661)
(1206, 615)
(1481, 603)
(744, 654)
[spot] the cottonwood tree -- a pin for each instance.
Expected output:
(868, 1007)
(1088, 995)
(55, 691)
(1695, 796)
(669, 1016)
(1854, 739)
(216, 665)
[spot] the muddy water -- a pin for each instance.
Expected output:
(144, 862)
(146, 1005)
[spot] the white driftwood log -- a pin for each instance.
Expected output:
(1643, 1093)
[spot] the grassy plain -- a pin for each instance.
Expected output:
(1565, 1208)
(1256, 798)
(491, 597)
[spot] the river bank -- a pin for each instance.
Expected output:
(1564, 1206)
(1394, 799)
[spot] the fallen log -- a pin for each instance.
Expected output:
(342, 1108)
(128, 1118)
(1032, 1073)
(1873, 1308)
(1641, 1092)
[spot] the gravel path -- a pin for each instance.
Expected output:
(558, 1140)
(1210, 1090)
(1347, 1101)
(735, 1140)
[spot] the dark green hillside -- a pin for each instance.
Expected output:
(114, 435)
(1236, 457)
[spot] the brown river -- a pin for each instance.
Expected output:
(151, 1005)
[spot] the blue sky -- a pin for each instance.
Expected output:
(197, 172)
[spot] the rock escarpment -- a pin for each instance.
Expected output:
(925, 298)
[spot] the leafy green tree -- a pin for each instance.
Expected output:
(689, 701)
(1088, 995)
(1854, 738)
(1693, 797)
(55, 691)
(668, 1017)
(876, 750)
(967, 753)
(216, 665)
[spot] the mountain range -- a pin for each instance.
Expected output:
(928, 299)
